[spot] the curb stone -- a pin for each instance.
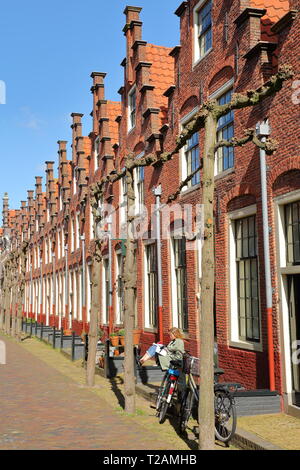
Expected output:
(242, 439)
(249, 441)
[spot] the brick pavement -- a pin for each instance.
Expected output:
(41, 408)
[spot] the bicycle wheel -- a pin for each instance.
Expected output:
(225, 416)
(186, 410)
(164, 405)
(161, 392)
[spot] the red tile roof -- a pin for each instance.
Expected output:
(113, 110)
(276, 9)
(161, 75)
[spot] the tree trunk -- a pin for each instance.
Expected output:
(129, 277)
(206, 402)
(93, 330)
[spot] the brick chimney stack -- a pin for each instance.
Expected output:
(39, 199)
(5, 211)
(63, 171)
(30, 196)
(133, 32)
(98, 97)
(51, 200)
(76, 132)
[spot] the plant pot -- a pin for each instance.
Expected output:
(114, 340)
(136, 336)
(122, 340)
(67, 332)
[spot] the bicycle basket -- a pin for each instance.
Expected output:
(191, 365)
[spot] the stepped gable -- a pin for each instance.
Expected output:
(161, 75)
(276, 9)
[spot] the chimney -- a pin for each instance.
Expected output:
(98, 96)
(30, 196)
(39, 199)
(5, 211)
(133, 32)
(76, 132)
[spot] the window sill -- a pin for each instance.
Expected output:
(224, 173)
(190, 190)
(198, 61)
(255, 347)
(150, 330)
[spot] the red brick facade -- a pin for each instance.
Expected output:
(249, 40)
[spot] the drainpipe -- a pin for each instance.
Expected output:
(263, 130)
(110, 306)
(31, 292)
(83, 281)
(157, 193)
(53, 287)
(41, 298)
(67, 289)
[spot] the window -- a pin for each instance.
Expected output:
(247, 279)
(92, 228)
(131, 108)
(59, 243)
(120, 289)
(77, 231)
(192, 160)
(179, 283)
(89, 291)
(96, 153)
(225, 131)
(105, 291)
(73, 233)
(202, 28)
(292, 232)
(123, 201)
(151, 297)
(139, 181)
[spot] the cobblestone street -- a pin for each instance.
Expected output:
(46, 406)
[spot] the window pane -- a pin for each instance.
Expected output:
(225, 132)
(247, 278)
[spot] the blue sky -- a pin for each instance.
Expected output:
(48, 51)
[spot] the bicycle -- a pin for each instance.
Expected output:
(168, 389)
(225, 409)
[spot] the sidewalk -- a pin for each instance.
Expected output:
(46, 405)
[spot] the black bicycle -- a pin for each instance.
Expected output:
(167, 390)
(225, 409)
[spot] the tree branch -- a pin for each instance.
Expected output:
(253, 97)
(235, 142)
(184, 183)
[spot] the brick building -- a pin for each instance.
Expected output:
(225, 47)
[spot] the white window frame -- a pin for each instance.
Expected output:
(105, 314)
(146, 288)
(233, 316)
(123, 202)
(183, 122)
(96, 153)
(215, 96)
(77, 227)
(89, 291)
(118, 273)
(138, 203)
(130, 109)
(196, 56)
(282, 271)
